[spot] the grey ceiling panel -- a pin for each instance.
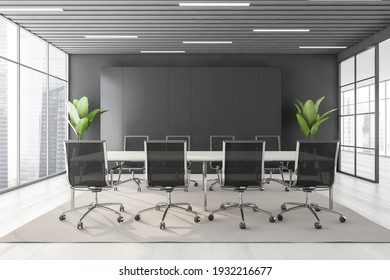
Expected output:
(164, 25)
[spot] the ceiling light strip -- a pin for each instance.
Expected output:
(111, 36)
(213, 4)
(207, 42)
(322, 47)
(162, 51)
(281, 30)
(31, 9)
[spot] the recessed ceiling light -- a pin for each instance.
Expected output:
(322, 47)
(31, 10)
(281, 30)
(210, 4)
(207, 42)
(162, 51)
(111, 36)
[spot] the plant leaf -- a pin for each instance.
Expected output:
(75, 102)
(73, 114)
(318, 102)
(327, 113)
(314, 128)
(303, 125)
(82, 126)
(298, 109)
(82, 107)
(309, 113)
(300, 104)
(92, 114)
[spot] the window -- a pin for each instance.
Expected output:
(8, 124)
(357, 115)
(33, 90)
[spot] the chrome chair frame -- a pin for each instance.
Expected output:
(132, 170)
(281, 169)
(169, 189)
(218, 169)
(240, 189)
(308, 204)
(180, 137)
(109, 184)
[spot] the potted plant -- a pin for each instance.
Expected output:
(308, 116)
(79, 116)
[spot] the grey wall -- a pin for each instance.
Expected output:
(303, 77)
(195, 101)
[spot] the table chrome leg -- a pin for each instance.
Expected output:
(204, 169)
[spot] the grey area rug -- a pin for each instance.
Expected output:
(297, 226)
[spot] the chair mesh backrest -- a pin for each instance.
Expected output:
(86, 163)
(216, 141)
(135, 143)
(243, 163)
(186, 138)
(316, 163)
(272, 142)
(166, 163)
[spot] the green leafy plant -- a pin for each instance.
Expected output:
(79, 116)
(308, 116)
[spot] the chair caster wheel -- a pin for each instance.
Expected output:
(139, 189)
(189, 208)
(242, 225)
(317, 209)
(283, 207)
(120, 219)
(121, 209)
(162, 225)
(317, 225)
(222, 206)
(211, 189)
(137, 217)
(186, 189)
(272, 219)
(197, 219)
(342, 219)
(62, 217)
(80, 225)
(280, 217)
(195, 184)
(157, 207)
(211, 217)
(262, 188)
(115, 188)
(286, 189)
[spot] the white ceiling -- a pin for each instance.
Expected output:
(164, 25)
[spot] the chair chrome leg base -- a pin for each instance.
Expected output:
(91, 207)
(241, 205)
(167, 206)
(312, 207)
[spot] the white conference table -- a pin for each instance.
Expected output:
(199, 156)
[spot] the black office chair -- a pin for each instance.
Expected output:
(242, 169)
(216, 144)
(132, 143)
(86, 166)
(315, 170)
(166, 170)
(272, 143)
(186, 138)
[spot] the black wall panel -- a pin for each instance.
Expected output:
(224, 110)
(179, 101)
(134, 100)
(269, 83)
(247, 96)
(195, 101)
(202, 107)
(157, 102)
(111, 80)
